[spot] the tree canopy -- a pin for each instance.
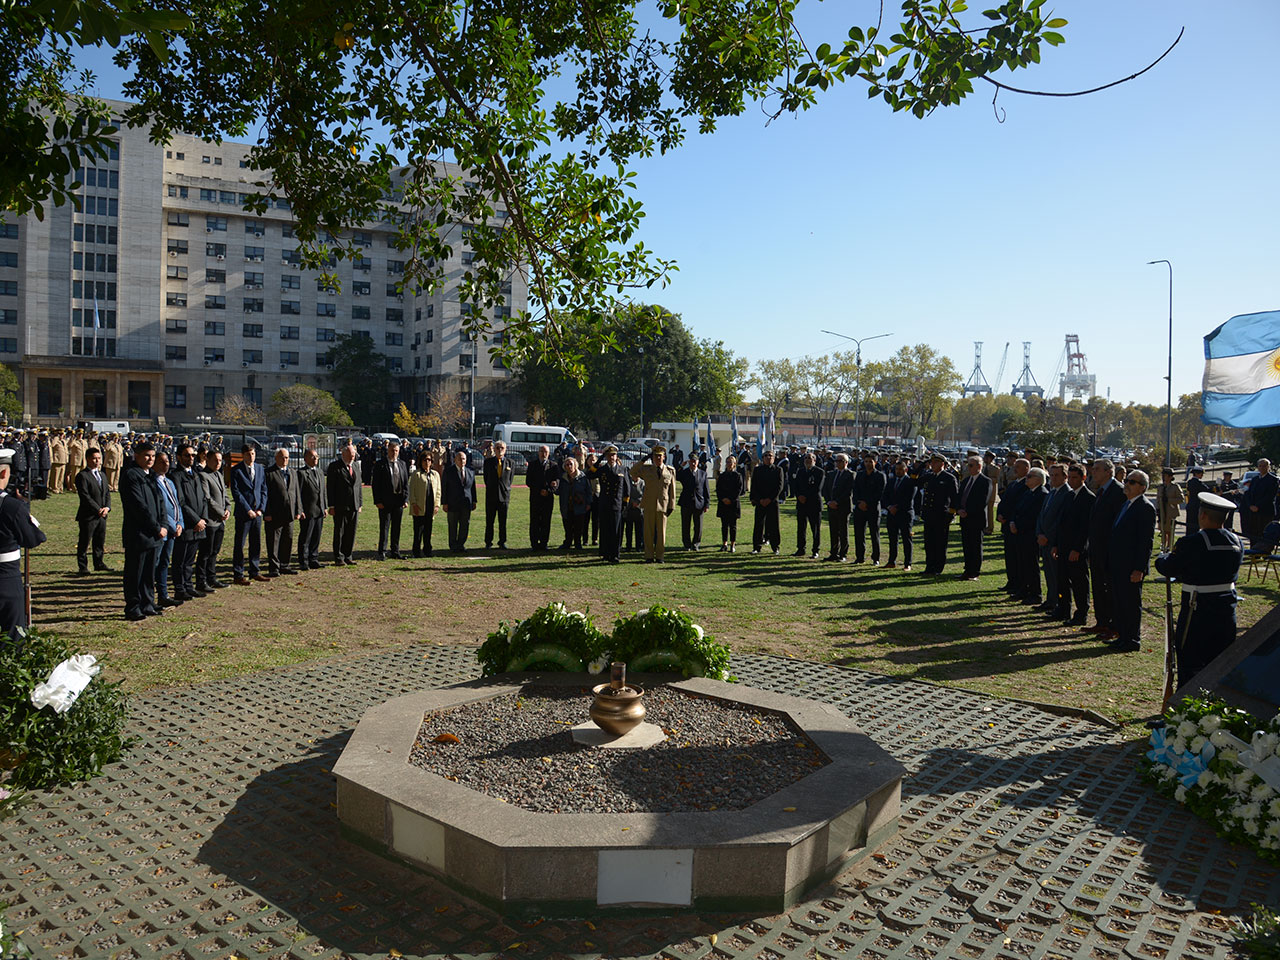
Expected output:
(361, 380)
(682, 377)
(544, 106)
(305, 406)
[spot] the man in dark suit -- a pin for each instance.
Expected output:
(1023, 527)
(1071, 549)
(390, 483)
(975, 491)
(217, 506)
(868, 491)
(95, 504)
(314, 497)
(837, 493)
(346, 499)
(1109, 498)
(695, 497)
(806, 485)
(765, 492)
(1258, 505)
(937, 505)
(141, 533)
(192, 502)
(459, 499)
(543, 481)
(1129, 560)
(615, 491)
(900, 502)
(284, 508)
(249, 491)
(1195, 487)
(1004, 516)
(499, 474)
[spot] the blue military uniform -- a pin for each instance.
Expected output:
(18, 530)
(1206, 562)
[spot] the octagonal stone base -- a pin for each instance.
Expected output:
(763, 858)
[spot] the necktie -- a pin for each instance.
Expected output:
(1120, 515)
(967, 485)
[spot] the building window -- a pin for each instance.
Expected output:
(395, 364)
(322, 309)
(393, 290)
(215, 276)
(362, 237)
(49, 397)
(290, 333)
(8, 317)
(502, 313)
(8, 288)
(175, 351)
(326, 335)
(175, 272)
(464, 361)
(244, 164)
(175, 325)
(395, 267)
(215, 223)
(253, 305)
(252, 356)
(365, 334)
(213, 396)
(431, 309)
(359, 288)
(253, 331)
(215, 302)
(256, 227)
(394, 340)
(361, 313)
(9, 259)
(428, 362)
(177, 247)
(324, 360)
(255, 254)
(8, 231)
(180, 192)
(182, 156)
(217, 161)
(218, 250)
(290, 281)
(175, 299)
(395, 315)
(431, 335)
(288, 358)
(362, 263)
(253, 395)
(215, 328)
(254, 281)
(204, 159)
(286, 231)
(291, 306)
(226, 196)
(179, 219)
(209, 196)
(139, 392)
(290, 257)
(175, 397)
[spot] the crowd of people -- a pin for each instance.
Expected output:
(1073, 536)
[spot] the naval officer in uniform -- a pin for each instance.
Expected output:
(18, 530)
(1206, 562)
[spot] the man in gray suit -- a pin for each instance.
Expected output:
(217, 507)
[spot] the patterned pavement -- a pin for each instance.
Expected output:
(1024, 835)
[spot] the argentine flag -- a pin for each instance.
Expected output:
(1242, 372)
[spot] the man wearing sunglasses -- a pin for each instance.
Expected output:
(1130, 559)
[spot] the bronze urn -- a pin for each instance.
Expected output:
(618, 707)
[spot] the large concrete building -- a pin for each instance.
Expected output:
(195, 298)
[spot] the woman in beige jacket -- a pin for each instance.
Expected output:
(1169, 501)
(424, 503)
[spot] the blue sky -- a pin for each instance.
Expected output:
(960, 228)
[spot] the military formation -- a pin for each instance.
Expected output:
(1073, 536)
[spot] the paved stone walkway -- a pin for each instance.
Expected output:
(1024, 835)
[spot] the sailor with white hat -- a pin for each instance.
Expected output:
(18, 529)
(1206, 562)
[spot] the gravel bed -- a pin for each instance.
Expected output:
(518, 748)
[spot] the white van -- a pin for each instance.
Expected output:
(104, 426)
(521, 437)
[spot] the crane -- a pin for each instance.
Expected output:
(1003, 360)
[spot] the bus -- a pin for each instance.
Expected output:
(523, 437)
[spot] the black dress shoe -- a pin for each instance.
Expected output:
(170, 602)
(153, 612)
(83, 572)
(1124, 646)
(289, 571)
(105, 569)
(197, 592)
(135, 616)
(1079, 620)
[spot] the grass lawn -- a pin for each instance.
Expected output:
(885, 621)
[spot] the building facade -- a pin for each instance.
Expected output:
(163, 294)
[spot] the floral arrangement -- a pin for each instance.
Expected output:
(50, 732)
(551, 638)
(660, 639)
(556, 638)
(1202, 757)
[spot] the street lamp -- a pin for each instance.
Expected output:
(641, 352)
(857, 416)
(1168, 426)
